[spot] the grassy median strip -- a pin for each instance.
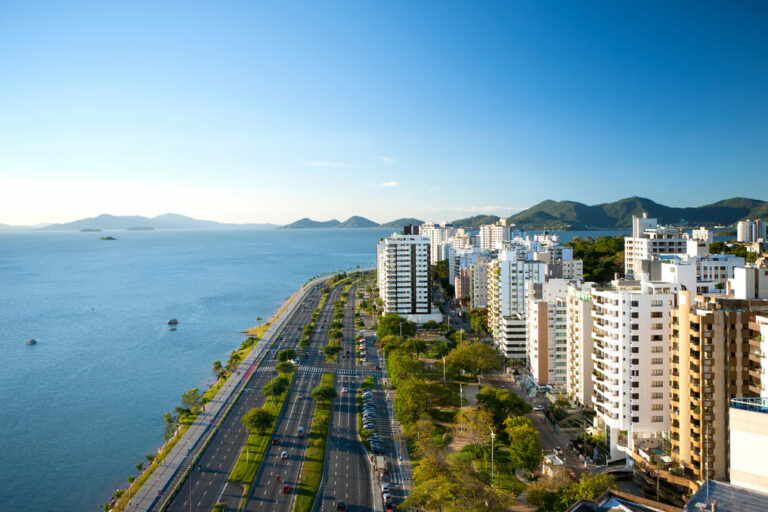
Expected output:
(250, 457)
(314, 458)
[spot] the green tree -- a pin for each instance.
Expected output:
(475, 423)
(170, 424)
(192, 399)
(478, 320)
(602, 257)
(390, 324)
(324, 393)
(307, 330)
(524, 448)
(259, 420)
(330, 351)
(474, 357)
(285, 367)
(286, 354)
(139, 467)
(276, 386)
(501, 403)
(414, 346)
(589, 487)
(216, 367)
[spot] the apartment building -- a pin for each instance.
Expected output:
(461, 286)
(437, 234)
(631, 326)
(648, 241)
(715, 357)
(750, 230)
(579, 343)
(702, 274)
(748, 430)
(478, 286)
(402, 263)
(546, 328)
(749, 283)
(492, 236)
(507, 277)
(511, 342)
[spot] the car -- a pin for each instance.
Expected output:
(558, 450)
(284, 454)
(387, 498)
(538, 407)
(301, 395)
(378, 367)
(300, 431)
(344, 390)
(286, 489)
(276, 441)
(384, 488)
(340, 505)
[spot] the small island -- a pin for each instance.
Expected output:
(107, 238)
(90, 230)
(32, 342)
(141, 228)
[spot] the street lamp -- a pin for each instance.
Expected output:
(461, 408)
(401, 329)
(443, 370)
(493, 436)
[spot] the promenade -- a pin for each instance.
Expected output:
(184, 453)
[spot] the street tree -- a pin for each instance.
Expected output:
(476, 424)
(524, 448)
(501, 403)
(324, 393)
(477, 357)
(284, 367)
(286, 354)
(259, 420)
(331, 350)
(390, 324)
(276, 386)
(414, 346)
(192, 399)
(216, 367)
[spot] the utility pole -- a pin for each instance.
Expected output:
(461, 408)
(401, 329)
(443, 370)
(493, 436)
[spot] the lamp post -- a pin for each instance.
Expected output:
(443, 370)
(461, 408)
(493, 436)
(401, 329)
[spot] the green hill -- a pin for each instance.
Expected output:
(475, 222)
(618, 215)
(307, 223)
(406, 221)
(358, 222)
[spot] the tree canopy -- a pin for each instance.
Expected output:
(390, 324)
(259, 420)
(524, 448)
(474, 357)
(501, 403)
(276, 386)
(475, 423)
(286, 354)
(285, 367)
(603, 257)
(324, 393)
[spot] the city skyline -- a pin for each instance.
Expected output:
(267, 113)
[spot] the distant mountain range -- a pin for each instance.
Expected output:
(167, 221)
(352, 222)
(571, 215)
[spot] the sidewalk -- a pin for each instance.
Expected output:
(183, 455)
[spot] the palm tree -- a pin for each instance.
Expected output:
(258, 320)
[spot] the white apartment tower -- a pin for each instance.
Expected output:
(579, 339)
(492, 236)
(437, 234)
(546, 326)
(402, 263)
(649, 240)
(478, 286)
(750, 230)
(631, 343)
(507, 277)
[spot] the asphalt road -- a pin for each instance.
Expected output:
(266, 492)
(206, 486)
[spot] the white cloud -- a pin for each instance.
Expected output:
(386, 160)
(387, 184)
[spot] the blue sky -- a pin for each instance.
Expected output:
(271, 111)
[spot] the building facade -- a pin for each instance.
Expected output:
(402, 264)
(579, 340)
(648, 241)
(546, 328)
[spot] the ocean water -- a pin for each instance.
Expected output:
(81, 408)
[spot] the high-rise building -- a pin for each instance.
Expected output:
(461, 286)
(715, 357)
(493, 235)
(748, 432)
(631, 361)
(750, 230)
(437, 234)
(402, 263)
(749, 283)
(507, 277)
(478, 286)
(649, 240)
(546, 326)
(579, 340)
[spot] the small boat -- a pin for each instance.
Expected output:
(32, 342)
(173, 321)
(171, 328)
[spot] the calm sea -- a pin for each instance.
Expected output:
(81, 408)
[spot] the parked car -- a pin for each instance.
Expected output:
(538, 407)
(340, 505)
(286, 489)
(275, 441)
(384, 488)
(284, 454)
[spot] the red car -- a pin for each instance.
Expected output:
(286, 489)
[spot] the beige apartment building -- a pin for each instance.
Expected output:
(715, 357)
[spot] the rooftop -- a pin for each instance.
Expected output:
(728, 498)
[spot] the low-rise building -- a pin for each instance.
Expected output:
(649, 240)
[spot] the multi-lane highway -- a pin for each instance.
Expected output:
(207, 484)
(349, 475)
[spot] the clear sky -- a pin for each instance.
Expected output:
(271, 111)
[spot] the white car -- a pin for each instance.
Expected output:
(538, 407)
(384, 488)
(284, 454)
(344, 390)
